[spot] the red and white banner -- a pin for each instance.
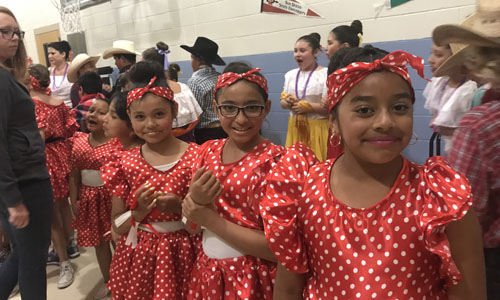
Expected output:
(292, 7)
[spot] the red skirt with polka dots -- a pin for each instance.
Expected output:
(93, 221)
(57, 154)
(157, 268)
(245, 277)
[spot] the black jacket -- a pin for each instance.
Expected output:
(22, 150)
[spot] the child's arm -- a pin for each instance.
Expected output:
(117, 209)
(249, 241)
(466, 246)
(75, 181)
(169, 203)
(146, 201)
(288, 286)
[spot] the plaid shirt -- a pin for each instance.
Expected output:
(81, 110)
(202, 84)
(476, 152)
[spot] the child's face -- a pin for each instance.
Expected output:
(244, 127)
(113, 126)
(332, 45)
(96, 114)
(438, 56)
(304, 55)
(375, 118)
(152, 118)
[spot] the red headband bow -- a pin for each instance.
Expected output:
(35, 85)
(343, 80)
(230, 78)
(161, 91)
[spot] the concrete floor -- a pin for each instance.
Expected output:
(87, 279)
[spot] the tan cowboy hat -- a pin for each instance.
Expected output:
(120, 47)
(480, 29)
(78, 62)
(456, 59)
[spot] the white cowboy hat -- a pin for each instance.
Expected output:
(79, 61)
(481, 29)
(120, 47)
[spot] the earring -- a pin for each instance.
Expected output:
(331, 139)
(339, 142)
(416, 138)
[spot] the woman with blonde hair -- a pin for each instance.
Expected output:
(26, 197)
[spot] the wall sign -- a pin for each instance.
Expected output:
(292, 7)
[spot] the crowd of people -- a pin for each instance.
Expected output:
(183, 198)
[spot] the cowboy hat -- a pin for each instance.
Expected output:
(456, 59)
(206, 49)
(120, 47)
(481, 29)
(78, 62)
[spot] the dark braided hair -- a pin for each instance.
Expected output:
(312, 39)
(349, 34)
(346, 56)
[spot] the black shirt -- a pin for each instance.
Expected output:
(22, 149)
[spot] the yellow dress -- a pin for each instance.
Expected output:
(316, 125)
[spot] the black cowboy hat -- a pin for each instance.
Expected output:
(206, 49)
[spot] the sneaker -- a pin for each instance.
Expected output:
(72, 249)
(53, 258)
(102, 292)
(14, 292)
(66, 275)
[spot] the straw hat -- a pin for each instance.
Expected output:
(481, 29)
(456, 59)
(206, 49)
(120, 47)
(78, 62)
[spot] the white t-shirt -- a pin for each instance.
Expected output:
(189, 109)
(315, 91)
(61, 88)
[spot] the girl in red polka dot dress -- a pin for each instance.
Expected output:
(155, 254)
(235, 262)
(56, 125)
(408, 233)
(91, 200)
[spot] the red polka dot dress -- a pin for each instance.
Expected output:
(395, 249)
(159, 266)
(59, 125)
(93, 221)
(244, 182)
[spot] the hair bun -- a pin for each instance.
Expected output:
(162, 46)
(316, 36)
(357, 26)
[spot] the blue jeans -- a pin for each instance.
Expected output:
(27, 261)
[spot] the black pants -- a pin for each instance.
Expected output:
(492, 258)
(204, 134)
(27, 261)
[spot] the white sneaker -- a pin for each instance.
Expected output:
(102, 292)
(15, 291)
(66, 275)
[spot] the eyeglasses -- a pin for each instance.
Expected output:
(9, 33)
(250, 111)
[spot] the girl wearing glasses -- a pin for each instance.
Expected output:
(235, 262)
(26, 193)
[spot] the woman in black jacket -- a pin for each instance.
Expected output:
(25, 191)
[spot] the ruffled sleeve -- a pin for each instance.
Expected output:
(447, 198)
(279, 207)
(41, 114)
(113, 175)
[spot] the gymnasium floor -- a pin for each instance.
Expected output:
(87, 279)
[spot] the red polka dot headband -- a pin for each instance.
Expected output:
(343, 80)
(161, 91)
(35, 85)
(230, 78)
